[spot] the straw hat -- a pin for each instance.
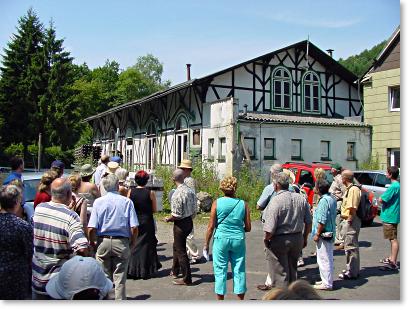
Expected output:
(290, 174)
(112, 166)
(86, 170)
(185, 163)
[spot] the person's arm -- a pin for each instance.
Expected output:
(153, 201)
(248, 224)
(211, 226)
(320, 228)
(95, 191)
(91, 233)
(267, 239)
(353, 203)
(83, 215)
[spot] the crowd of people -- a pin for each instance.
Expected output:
(92, 231)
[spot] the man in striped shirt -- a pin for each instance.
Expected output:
(58, 234)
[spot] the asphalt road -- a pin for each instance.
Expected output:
(373, 284)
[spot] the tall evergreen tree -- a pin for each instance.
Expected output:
(22, 81)
(56, 110)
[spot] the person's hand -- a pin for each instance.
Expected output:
(266, 243)
(166, 219)
(316, 238)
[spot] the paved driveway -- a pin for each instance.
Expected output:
(373, 284)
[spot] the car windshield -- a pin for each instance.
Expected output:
(30, 189)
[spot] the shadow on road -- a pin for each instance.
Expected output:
(140, 297)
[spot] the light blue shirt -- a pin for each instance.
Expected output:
(267, 194)
(113, 215)
(98, 173)
(325, 213)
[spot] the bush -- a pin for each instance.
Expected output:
(250, 184)
(165, 173)
(14, 149)
(250, 187)
(372, 163)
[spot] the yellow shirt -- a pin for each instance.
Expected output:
(350, 201)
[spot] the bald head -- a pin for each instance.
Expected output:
(61, 191)
(347, 176)
(178, 176)
(105, 159)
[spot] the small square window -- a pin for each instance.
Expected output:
(325, 150)
(351, 151)
(296, 152)
(250, 144)
(394, 98)
(269, 148)
(211, 148)
(222, 149)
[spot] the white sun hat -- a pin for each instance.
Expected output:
(76, 275)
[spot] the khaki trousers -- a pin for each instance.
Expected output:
(282, 257)
(350, 234)
(113, 254)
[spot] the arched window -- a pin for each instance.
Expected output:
(151, 130)
(281, 89)
(311, 93)
(181, 123)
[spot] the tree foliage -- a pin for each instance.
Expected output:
(43, 91)
(359, 64)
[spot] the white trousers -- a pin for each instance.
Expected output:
(324, 254)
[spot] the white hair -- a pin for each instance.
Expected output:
(110, 183)
(121, 173)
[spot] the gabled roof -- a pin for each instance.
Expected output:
(382, 54)
(300, 120)
(314, 52)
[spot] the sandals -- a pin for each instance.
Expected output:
(386, 260)
(345, 276)
(389, 267)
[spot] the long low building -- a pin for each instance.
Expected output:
(294, 104)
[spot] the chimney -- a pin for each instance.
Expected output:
(188, 71)
(330, 52)
(246, 109)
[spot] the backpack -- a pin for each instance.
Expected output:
(363, 211)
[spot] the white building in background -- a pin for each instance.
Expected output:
(283, 106)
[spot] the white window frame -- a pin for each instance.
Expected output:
(282, 80)
(211, 148)
(392, 100)
(312, 84)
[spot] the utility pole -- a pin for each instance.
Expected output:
(39, 151)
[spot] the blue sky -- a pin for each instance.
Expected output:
(211, 35)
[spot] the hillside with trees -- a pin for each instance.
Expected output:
(359, 64)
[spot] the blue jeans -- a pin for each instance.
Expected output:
(224, 251)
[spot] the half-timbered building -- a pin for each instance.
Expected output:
(294, 104)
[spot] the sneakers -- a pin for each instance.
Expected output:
(301, 262)
(318, 282)
(322, 287)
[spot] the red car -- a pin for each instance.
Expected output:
(305, 178)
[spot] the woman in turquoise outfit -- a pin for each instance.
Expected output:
(230, 218)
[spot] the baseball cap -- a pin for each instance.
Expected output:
(336, 166)
(76, 275)
(57, 164)
(117, 159)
